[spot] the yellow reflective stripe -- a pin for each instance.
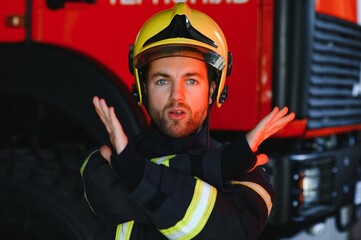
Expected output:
(197, 214)
(258, 189)
(81, 173)
(124, 231)
(163, 160)
(86, 162)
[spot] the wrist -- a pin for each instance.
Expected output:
(250, 140)
(121, 145)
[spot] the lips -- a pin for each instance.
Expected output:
(176, 114)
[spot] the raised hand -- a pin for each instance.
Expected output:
(117, 136)
(270, 124)
(273, 122)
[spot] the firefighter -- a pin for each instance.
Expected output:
(174, 181)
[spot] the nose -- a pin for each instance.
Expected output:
(177, 92)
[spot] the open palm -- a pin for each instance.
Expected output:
(272, 123)
(117, 136)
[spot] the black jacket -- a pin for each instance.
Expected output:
(190, 188)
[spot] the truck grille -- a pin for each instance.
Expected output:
(335, 82)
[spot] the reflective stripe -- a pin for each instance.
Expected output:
(124, 231)
(81, 173)
(86, 162)
(197, 214)
(163, 160)
(260, 190)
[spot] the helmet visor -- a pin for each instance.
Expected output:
(195, 52)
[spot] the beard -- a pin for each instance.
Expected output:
(177, 128)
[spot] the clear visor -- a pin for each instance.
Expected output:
(199, 53)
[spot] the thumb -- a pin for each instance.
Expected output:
(262, 159)
(106, 152)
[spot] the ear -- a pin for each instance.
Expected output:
(212, 88)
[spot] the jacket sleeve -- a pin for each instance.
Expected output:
(105, 194)
(218, 165)
(249, 198)
(181, 206)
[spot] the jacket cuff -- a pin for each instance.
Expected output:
(237, 158)
(129, 166)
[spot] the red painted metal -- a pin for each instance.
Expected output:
(7, 10)
(345, 9)
(103, 31)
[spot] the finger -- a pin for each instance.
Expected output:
(267, 119)
(114, 123)
(283, 121)
(257, 135)
(98, 109)
(96, 100)
(100, 112)
(114, 119)
(279, 125)
(106, 152)
(279, 115)
(104, 108)
(96, 103)
(104, 114)
(120, 139)
(275, 111)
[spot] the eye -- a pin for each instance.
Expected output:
(161, 82)
(192, 81)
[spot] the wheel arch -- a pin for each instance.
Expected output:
(67, 80)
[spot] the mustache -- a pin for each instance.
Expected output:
(177, 104)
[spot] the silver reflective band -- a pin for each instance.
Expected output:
(124, 231)
(260, 190)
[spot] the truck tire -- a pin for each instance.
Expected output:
(47, 120)
(41, 196)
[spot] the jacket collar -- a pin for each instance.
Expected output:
(154, 144)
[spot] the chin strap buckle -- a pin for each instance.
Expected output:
(224, 95)
(135, 93)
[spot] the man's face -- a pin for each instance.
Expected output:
(178, 95)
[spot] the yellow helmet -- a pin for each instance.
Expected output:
(188, 31)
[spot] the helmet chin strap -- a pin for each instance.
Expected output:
(224, 95)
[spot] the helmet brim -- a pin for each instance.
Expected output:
(180, 50)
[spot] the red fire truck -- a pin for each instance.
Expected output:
(55, 55)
